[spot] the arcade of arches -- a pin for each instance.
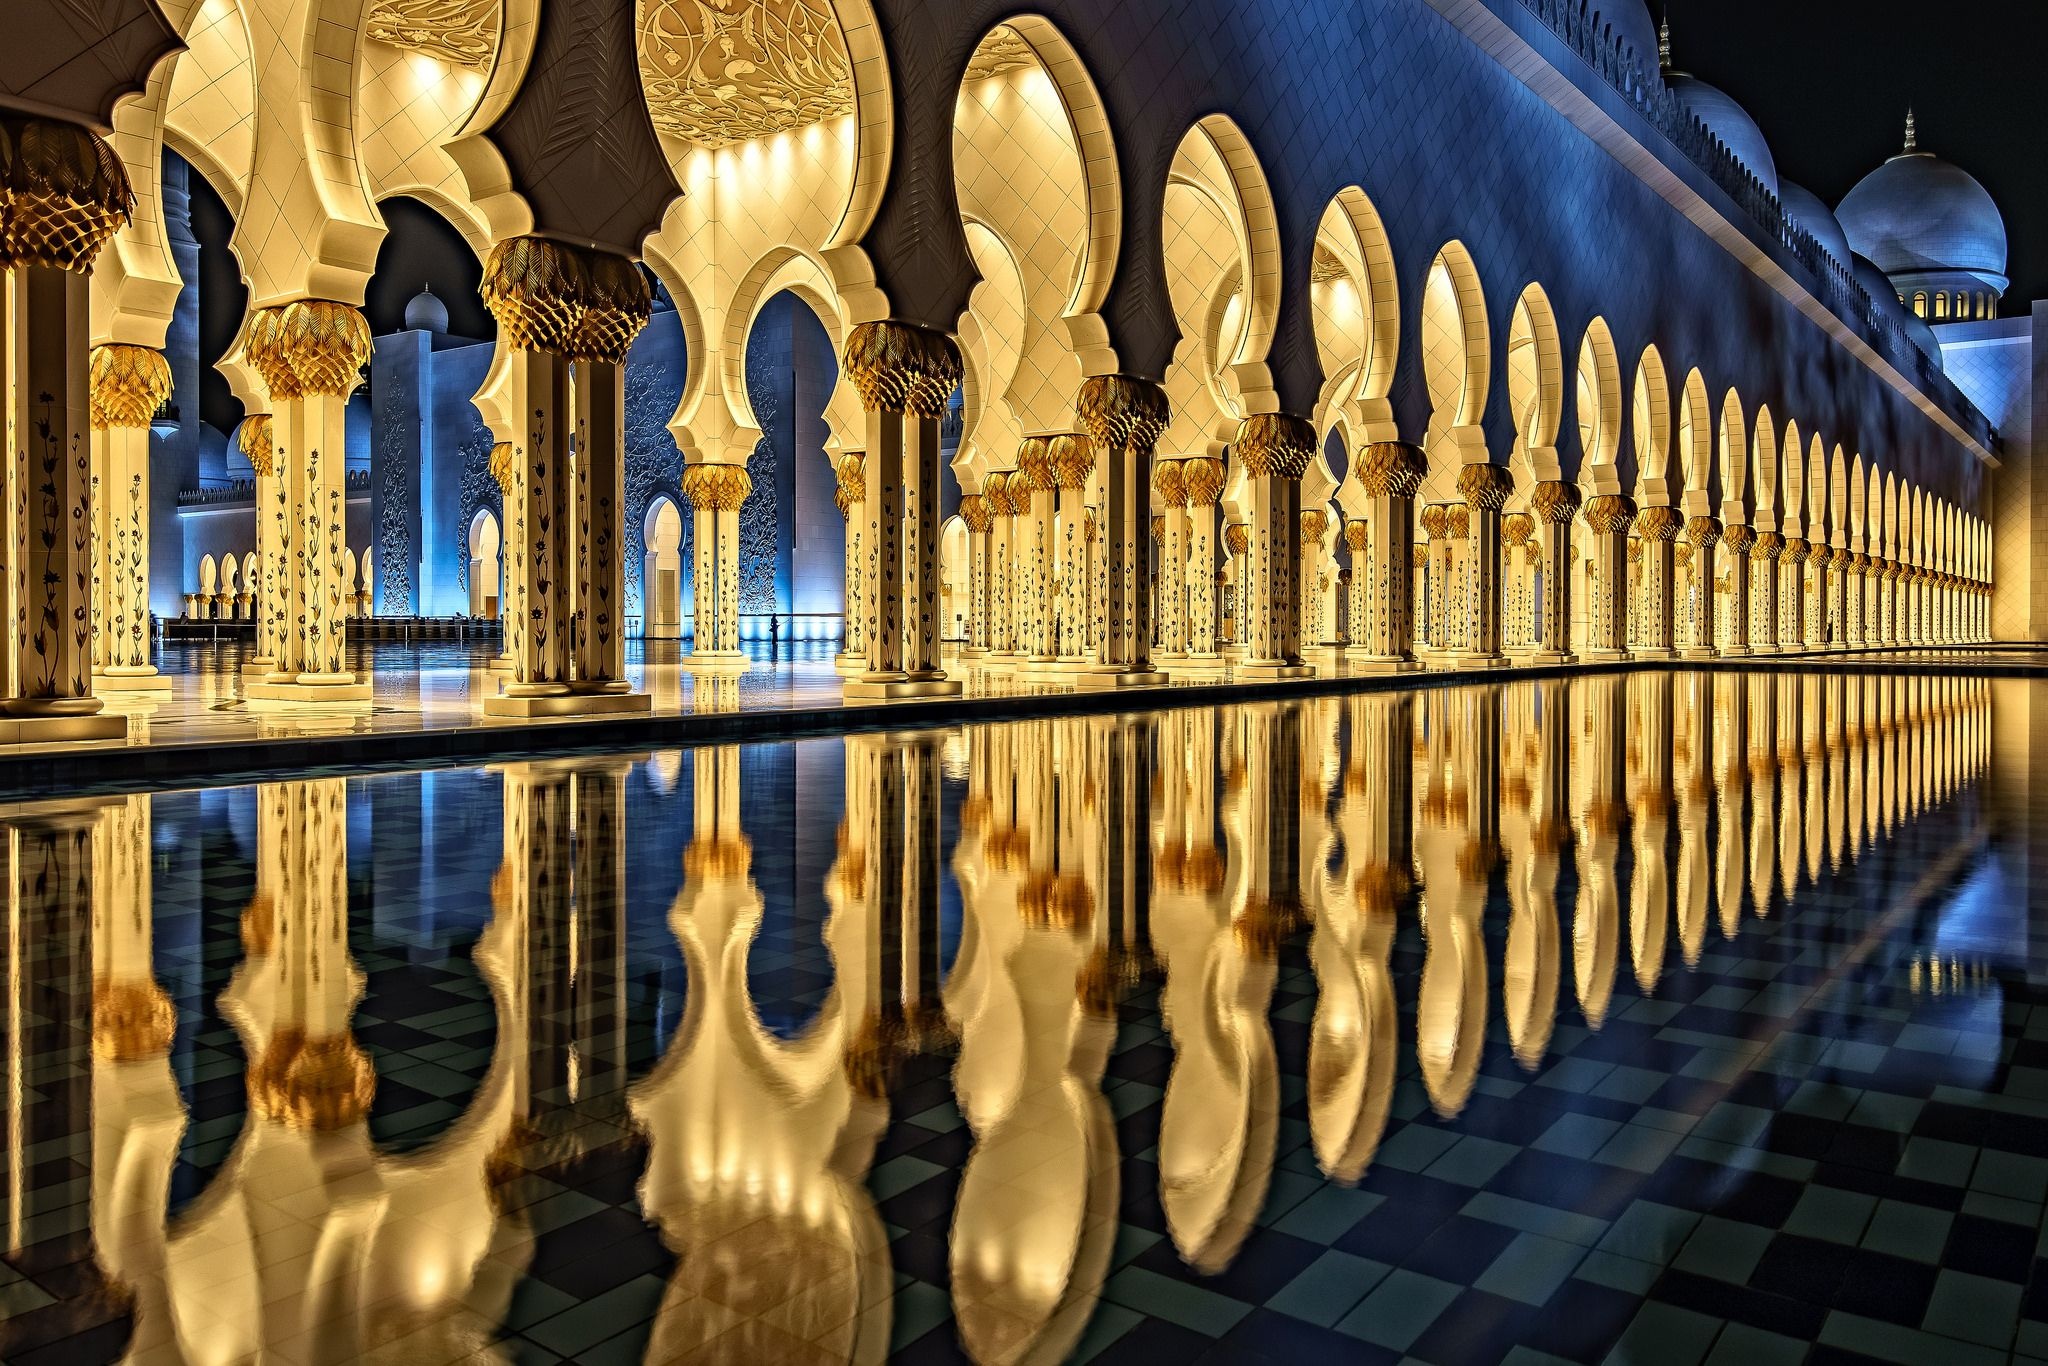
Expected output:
(1121, 415)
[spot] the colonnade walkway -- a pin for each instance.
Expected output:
(428, 703)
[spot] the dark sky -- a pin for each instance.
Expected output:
(1829, 81)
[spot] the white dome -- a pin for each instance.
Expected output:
(1728, 121)
(1917, 214)
(425, 313)
(1805, 208)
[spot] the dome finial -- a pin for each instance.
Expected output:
(1664, 41)
(1912, 131)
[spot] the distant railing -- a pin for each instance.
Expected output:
(244, 490)
(1607, 52)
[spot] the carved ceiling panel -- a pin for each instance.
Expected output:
(725, 71)
(1004, 50)
(462, 32)
(75, 58)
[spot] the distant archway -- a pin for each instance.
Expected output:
(662, 580)
(483, 564)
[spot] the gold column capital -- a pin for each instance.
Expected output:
(1169, 477)
(975, 512)
(1659, 524)
(1738, 538)
(852, 470)
(1277, 444)
(902, 368)
(1315, 523)
(1486, 487)
(1073, 459)
(1237, 538)
(1609, 512)
(64, 193)
(1796, 550)
(1517, 528)
(1123, 412)
(720, 488)
(1457, 521)
(575, 302)
(129, 383)
(1392, 469)
(1034, 463)
(1702, 531)
(309, 346)
(995, 489)
(501, 466)
(1555, 501)
(258, 443)
(1356, 535)
(1204, 480)
(1770, 544)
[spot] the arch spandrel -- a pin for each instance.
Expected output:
(1457, 367)
(1732, 459)
(1693, 448)
(1596, 405)
(1763, 469)
(1657, 480)
(1535, 385)
(1791, 482)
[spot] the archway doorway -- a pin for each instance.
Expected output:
(662, 576)
(483, 564)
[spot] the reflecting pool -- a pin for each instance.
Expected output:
(1659, 1017)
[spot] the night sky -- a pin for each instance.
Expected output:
(1827, 80)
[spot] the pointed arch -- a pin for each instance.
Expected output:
(1455, 357)
(1599, 409)
(1734, 461)
(1695, 446)
(1839, 495)
(1862, 488)
(1358, 308)
(1259, 226)
(1535, 377)
(1791, 477)
(1650, 429)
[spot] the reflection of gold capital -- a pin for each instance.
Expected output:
(1550, 836)
(259, 925)
(1062, 902)
(1475, 861)
(1378, 886)
(318, 1084)
(1264, 925)
(1606, 818)
(131, 1021)
(723, 857)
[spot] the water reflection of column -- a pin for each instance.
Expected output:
(1813, 770)
(1353, 1051)
(1596, 918)
(1534, 831)
(138, 1116)
(1649, 902)
(52, 1017)
(759, 1145)
(1835, 754)
(1456, 850)
(1220, 1119)
(1791, 814)
(1693, 769)
(1730, 736)
(1033, 994)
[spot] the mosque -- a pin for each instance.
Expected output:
(1073, 344)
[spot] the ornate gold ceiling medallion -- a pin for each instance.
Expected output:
(462, 32)
(725, 71)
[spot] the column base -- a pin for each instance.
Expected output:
(715, 661)
(499, 664)
(1464, 662)
(1002, 659)
(259, 669)
(55, 730)
(1133, 678)
(131, 681)
(966, 652)
(1267, 670)
(1549, 657)
(1381, 664)
(1699, 652)
(1198, 665)
(890, 688)
(1596, 654)
(1654, 655)
(848, 662)
(293, 691)
(1734, 651)
(569, 704)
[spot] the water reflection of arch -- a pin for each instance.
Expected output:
(1456, 848)
(759, 1145)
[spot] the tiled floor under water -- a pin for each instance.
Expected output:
(1658, 1018)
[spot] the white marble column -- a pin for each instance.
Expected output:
(1124, 417)
(1203, 479)
(1383, 639)
(129, 383)
(715, 494)
(1609, 516)
(1275, 449)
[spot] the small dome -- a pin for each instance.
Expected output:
(1885, 295)
(1805, 208)
(1728, 121)
(1631, 22)
(1917, 213)
(425, 313)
